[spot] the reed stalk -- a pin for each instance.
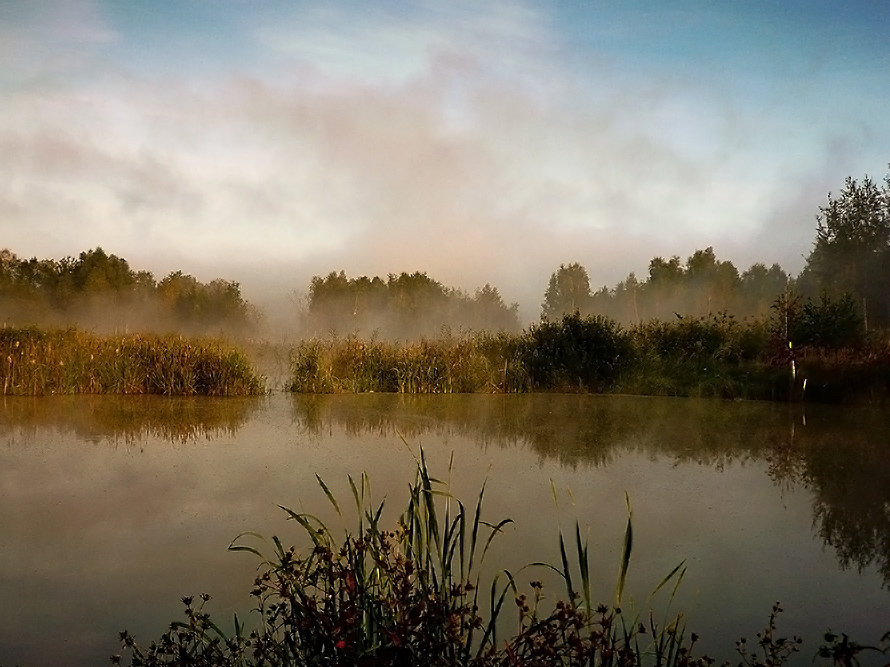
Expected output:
(40, 362)
(419, 594)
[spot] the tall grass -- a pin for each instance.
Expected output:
(709, 357)
(38, 362)
(449, 365)
(418, 595)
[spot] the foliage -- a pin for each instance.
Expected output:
(581, 353)
(568, 293)
(830, 323)
(36, 362)
(772, 650)
(415, 595)
(827, 323)
(405, 306)
(481, 363)
(709, 356)
(700, 287)
(101, 291)
(851, 254)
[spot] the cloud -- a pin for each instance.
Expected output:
(455, 141)
(43, 42)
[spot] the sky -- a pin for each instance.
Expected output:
(479, 142)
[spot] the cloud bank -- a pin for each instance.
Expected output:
(478, 145)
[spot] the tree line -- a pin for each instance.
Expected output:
(701, 286)
(844, 289)
(404, 306)
(845, 282)
(97, 290)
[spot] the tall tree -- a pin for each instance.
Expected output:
(851, 254)
(567, 293)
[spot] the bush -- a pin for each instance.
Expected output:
(580, 353)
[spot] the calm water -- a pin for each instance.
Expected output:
(113, 508)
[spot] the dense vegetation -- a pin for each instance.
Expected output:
(38, 362)
(405, 306)
(850, 259)
(420, 594)
(697, 327)
(101, 292)
(817, 351)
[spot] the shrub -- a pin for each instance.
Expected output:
(582, 353)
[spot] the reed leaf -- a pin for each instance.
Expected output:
(330, 496)
(584, 566)
(625, 554)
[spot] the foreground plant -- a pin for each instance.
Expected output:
(414, 595)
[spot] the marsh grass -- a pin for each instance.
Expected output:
(703, 357)
(420, 594)
(449, 365)
(38, 362)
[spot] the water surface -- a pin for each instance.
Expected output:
(114, 507)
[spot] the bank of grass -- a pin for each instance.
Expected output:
(36, 362)
(706, 357)
(416, 595)
(482, 363)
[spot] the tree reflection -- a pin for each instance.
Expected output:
(838, 454)
(848, 473)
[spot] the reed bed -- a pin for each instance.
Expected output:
(418, 594)
(450, 365)
(37, 362)
(705, 357)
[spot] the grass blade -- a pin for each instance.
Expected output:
(625, 555)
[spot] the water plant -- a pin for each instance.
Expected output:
(418, 594)
(715, 356)
(423, 593)
(441, 366)
(69, 361)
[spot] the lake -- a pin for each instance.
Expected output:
(115, 507)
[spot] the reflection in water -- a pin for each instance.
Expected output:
(128, 418)
(850, 480)
(99, 538)
(840, 454)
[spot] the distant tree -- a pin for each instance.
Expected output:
(711, 285)
(414, 293)
(759, 287)
(568, 293)
(663, 296)
(490, 313)
(331, 304)
(95, 271)
(405, 306)
(851, 254)
(665, 272)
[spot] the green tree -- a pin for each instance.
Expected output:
(851, 254)
(489, 312)
(568, 293)
(709, 285)
(95, 271)
(760, 287)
